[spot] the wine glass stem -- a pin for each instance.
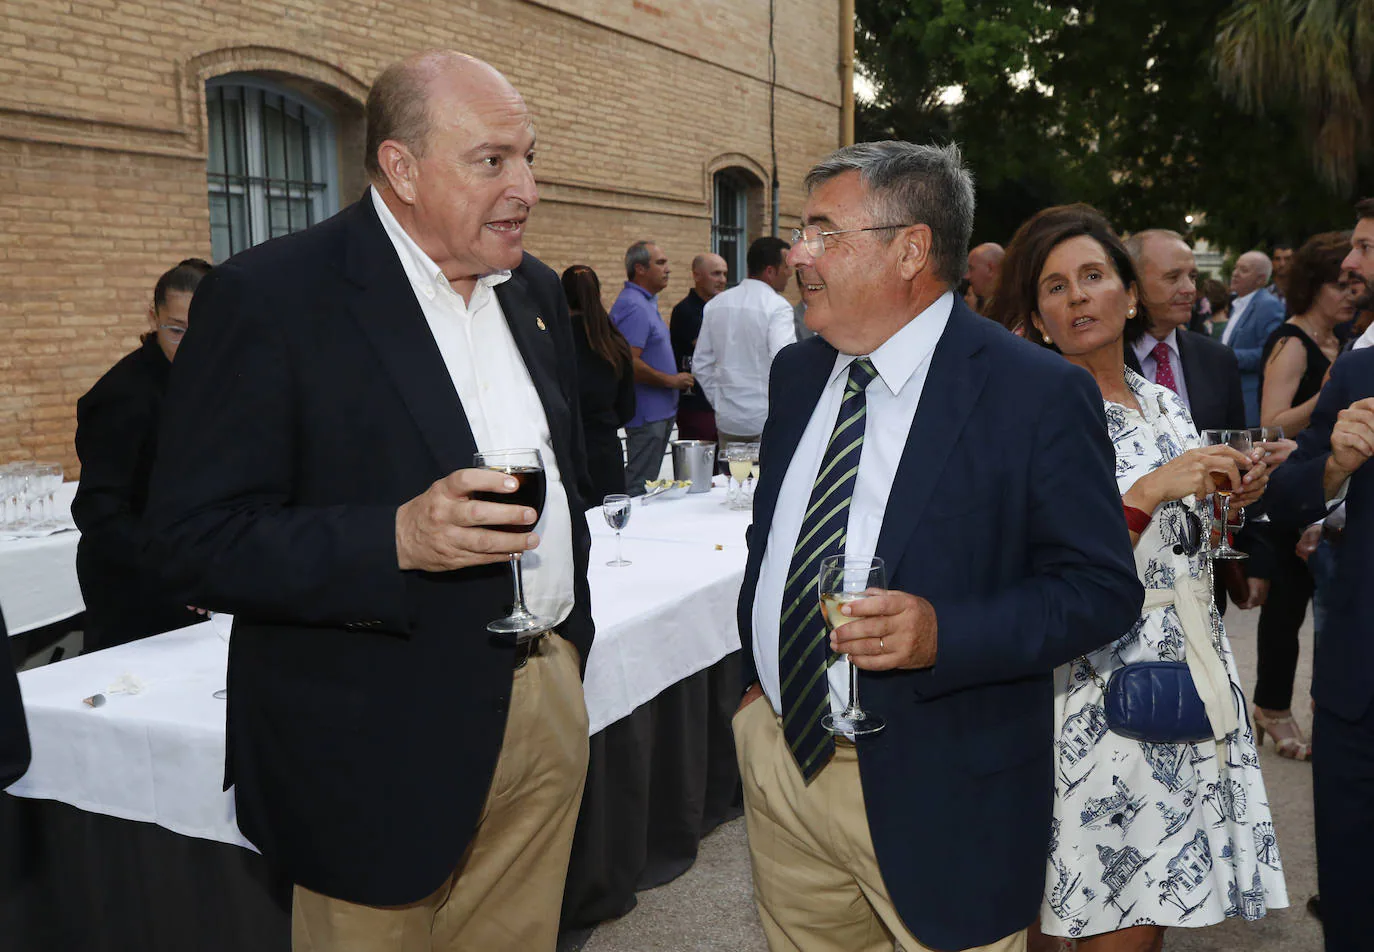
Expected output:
(618, 556)
(853, 685)
(1225, 520)
(519, 607)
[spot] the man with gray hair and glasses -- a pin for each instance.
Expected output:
(657, 379)
(978, 470)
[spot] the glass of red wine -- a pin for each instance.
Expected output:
(526, 466)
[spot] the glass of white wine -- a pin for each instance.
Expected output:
(1237, 440)
(616, 509)
(844, 579)
(738, 458)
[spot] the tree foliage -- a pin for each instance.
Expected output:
(1106, 102)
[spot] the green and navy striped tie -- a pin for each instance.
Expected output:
(803, 647)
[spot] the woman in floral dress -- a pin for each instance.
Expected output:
(1145, 836)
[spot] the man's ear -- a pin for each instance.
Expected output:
(914, 255)
(400, 168)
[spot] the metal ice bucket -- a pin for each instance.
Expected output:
(694, 460)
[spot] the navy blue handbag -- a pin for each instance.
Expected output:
(1155, 702)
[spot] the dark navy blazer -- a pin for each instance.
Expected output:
(1343, 667)
(1004, 513)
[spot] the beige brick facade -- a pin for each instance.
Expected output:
(103, 142)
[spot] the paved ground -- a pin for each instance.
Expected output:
(711, 907)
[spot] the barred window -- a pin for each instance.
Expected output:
(729, 222)
(271, 164)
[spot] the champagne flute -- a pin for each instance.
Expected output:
(616, 509)
(1237, 440)
(526, 467)
(845, 579)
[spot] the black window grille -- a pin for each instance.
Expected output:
(729, 223)
(267, 174)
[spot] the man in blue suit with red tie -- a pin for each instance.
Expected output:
(1331, 465)
(979, 469)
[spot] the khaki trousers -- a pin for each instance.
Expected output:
(506, 894)
(816, 878)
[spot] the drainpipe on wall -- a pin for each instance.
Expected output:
(846, 72)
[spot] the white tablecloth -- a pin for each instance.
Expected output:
(158, 756)
(38, 576)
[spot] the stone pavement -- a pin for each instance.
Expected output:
(711, 909)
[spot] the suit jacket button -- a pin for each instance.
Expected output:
(499, 705)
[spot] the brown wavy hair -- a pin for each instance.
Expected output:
(1017, 296)
(1316, 263)
(582, 288)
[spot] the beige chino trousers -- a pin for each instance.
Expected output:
(507, 891)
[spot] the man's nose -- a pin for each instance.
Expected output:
(524, 188)
(797, 256)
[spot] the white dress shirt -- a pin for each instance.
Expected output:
(1144, 353)
(902, 363)
(499, 399)
(1237, 311)
(742, 330)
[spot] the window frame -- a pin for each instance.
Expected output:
(730, 188)
(321, 184)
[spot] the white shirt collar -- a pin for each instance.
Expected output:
(1145, 346)
(1241, 303)
(898, 358)
(420, 267)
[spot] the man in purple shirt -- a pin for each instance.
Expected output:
(657, 380)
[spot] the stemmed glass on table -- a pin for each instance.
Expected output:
(741, 461)
(616, 509)
(845, 579)
(526, 467)
(1237, 440)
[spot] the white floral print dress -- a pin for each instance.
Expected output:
(1154, 834)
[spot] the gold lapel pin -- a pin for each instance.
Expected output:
(539, 323)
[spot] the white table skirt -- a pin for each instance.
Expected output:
(158, 756)
(38, 576)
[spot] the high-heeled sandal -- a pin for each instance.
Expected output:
(1284, 731)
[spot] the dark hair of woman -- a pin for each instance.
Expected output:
(185, 277)
(1018, 291)
(1316, 263)
(583, 291)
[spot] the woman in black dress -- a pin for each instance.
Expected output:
(116, 440)
(1295, 360)
(605, 376)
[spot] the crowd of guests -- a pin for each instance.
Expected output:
(1015, 432)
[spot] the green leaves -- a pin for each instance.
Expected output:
(1116, 104)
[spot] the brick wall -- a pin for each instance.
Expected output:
(102, 142)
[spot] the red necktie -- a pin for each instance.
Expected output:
(1164, 371)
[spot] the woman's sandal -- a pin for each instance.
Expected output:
(1287, 736)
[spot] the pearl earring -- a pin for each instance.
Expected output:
(1130, 312)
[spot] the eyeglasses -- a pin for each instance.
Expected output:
(813, 239)
(173, 330)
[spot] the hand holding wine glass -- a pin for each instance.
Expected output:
(1226, 483)
(842, 581)
(448, 525)
(526, 468)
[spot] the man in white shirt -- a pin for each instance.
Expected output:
(742, 330)
(979, 470)
(1255, 314)
(415, 776)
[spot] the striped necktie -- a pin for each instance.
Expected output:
(804, 649)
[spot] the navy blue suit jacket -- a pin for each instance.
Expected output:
(309, 401)
(1004, 513)
(1343, 666)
